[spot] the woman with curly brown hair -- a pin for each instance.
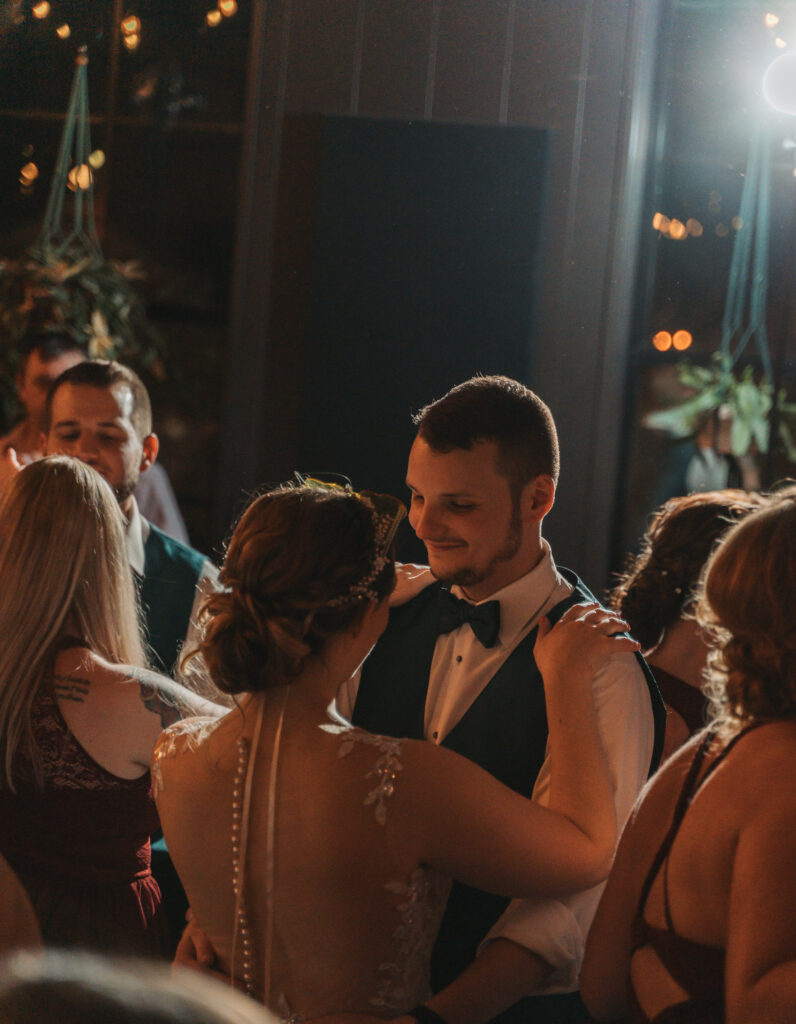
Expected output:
(697, 919)
(317, 856)
(656, 595)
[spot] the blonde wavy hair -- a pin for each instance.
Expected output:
(747, 609)
(64, 572)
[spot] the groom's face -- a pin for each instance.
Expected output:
(462, 509)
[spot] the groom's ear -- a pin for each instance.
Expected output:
(537, 498)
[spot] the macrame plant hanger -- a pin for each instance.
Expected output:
(78, 242)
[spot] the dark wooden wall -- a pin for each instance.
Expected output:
(579, 68)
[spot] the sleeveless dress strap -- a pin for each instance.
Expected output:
(679, 812)
(693, 789)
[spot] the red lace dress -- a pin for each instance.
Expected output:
(80, 846)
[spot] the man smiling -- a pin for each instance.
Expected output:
(455, 666)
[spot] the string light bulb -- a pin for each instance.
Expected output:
(213, 18)
(132, 41)
(96, 159)
(29, 172)
(40, 10)
(63, 31)
(228, 7)
(80, 177)
(131, 25)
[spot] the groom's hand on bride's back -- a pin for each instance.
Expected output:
(195, 951)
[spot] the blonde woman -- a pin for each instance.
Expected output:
(79, 714)
(316, 856)
(697, 919)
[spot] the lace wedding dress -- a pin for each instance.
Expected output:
(321, 915)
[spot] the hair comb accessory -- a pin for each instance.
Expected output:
(387, 512)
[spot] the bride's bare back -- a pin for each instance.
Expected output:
(354, 915)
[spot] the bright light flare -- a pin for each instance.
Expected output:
(779, 83)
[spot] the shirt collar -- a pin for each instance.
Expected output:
(523, 600)
(137, 532)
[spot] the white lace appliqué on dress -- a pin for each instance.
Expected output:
(192, 730)
(421, 899)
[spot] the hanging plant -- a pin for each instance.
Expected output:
(748, 401)
(93, 300)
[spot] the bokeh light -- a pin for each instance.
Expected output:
(662, 341)
(771, 20)
(213, 18)
(693, 227)
(63, 31)
(227, 7)
(41, 9)
(677, 230)
(681, 340)
(131, 25)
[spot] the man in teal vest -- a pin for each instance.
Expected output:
(99, 412)
(455, 666)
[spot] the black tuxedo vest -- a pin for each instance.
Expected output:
(504, 731)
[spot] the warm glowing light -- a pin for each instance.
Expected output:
(682, 340)
(677, 230)
(737, 222)
(660, 222)
(722, 230)
(80, 177)
(771, 20)
(662, 341)
(213, 18)
(96, 159)
(131, 25)
(132, 42)
(29, 172)
(227, 7)
(41, 9)
(63, 31)
(780, 43)
(693, 227)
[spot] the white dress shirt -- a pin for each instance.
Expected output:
(460, 669)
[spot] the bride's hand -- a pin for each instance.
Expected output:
(410, 579)
(581, 642)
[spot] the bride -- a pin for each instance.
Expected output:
(317, 857)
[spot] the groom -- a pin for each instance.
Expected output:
(455, 666)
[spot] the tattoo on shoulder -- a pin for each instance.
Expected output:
(158, 703)
(73, 688)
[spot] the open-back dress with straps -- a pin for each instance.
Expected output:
(80, 844)
(696, 967)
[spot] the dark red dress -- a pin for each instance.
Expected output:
(80, 846)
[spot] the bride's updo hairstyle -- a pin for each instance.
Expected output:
(747, 608)
(302, 565)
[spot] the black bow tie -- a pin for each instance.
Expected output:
(484, 618)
